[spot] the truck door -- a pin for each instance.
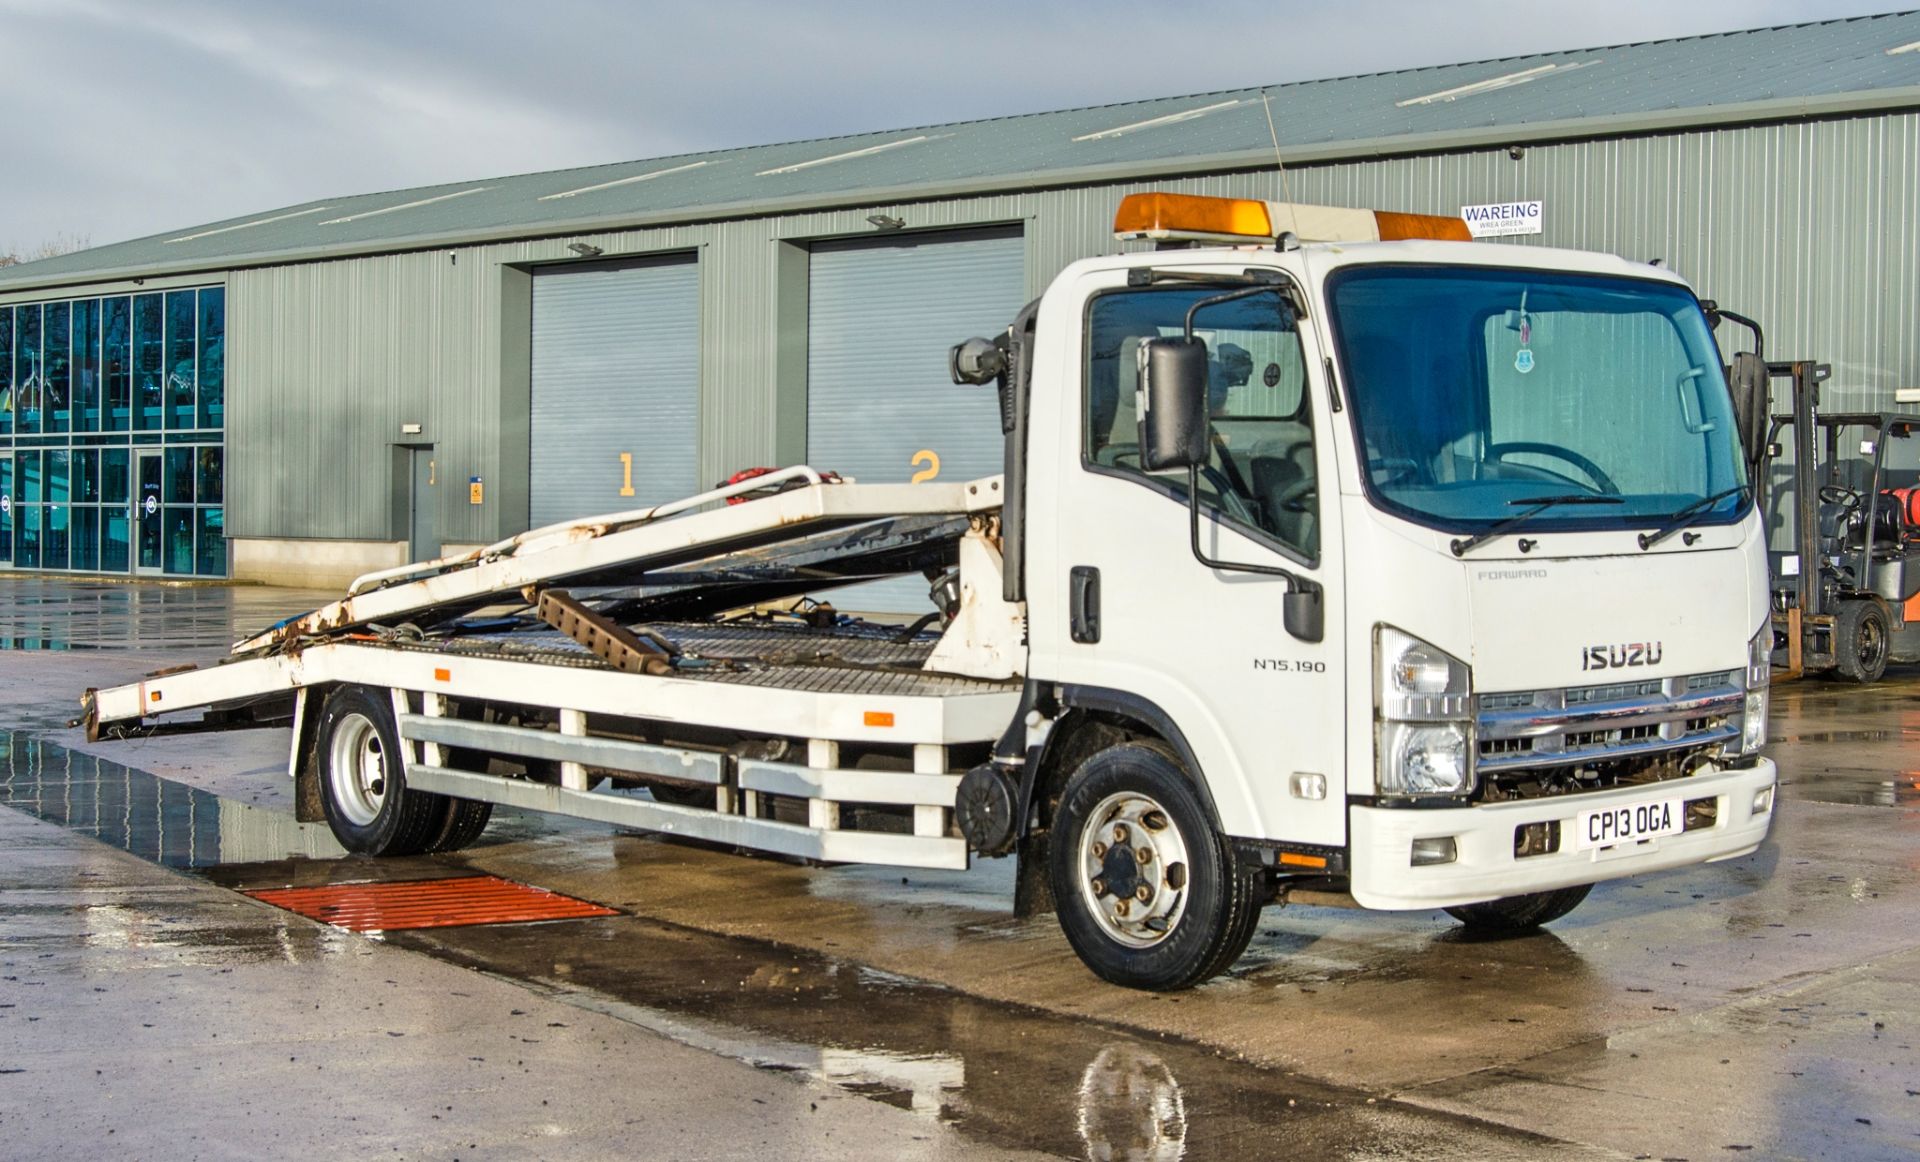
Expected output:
(1119, 602)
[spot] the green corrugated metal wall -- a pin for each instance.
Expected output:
(1811, 227)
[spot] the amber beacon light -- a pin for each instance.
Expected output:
(1192, 217)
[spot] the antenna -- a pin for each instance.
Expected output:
(1286, 188)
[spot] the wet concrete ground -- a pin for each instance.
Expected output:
(1764, 1007)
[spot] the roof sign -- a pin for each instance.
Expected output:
(1503, 219)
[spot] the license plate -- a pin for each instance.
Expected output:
(1611, 826)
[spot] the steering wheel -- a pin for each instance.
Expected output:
(1841, 495)
(1600, 478)
(1291, 497)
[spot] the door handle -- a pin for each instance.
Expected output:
(1083, 604)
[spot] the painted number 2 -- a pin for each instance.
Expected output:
(626, 474)
(931, 459)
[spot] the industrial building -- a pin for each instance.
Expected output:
(323, 389)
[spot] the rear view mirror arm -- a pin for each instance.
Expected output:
(1303, 611)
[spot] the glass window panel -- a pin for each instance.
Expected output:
(85, 541)
(56, 368)
(213, 357)
(113, 475)
(212, 482)
(53, 541)
(26, 544)
(180, 359)
(116, 363)
(6, 370)
(26, 367)
(113, 540)
(59, 476)
(86, 365)
(149, 362)
(26, 486)
(177, 484)
(86, 476)
(177, 537)
(211, 542)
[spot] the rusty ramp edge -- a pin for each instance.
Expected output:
(451, 902)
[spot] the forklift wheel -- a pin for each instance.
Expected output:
(1860, 639)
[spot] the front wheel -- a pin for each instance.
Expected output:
(363, 780)
(1861, 634)
(1148, 892)
(1511, 915)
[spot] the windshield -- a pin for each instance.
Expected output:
(1476, 390)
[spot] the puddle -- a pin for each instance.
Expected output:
(156, 819)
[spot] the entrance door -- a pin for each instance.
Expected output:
(423, 539)
(148, 557)
(6, 511)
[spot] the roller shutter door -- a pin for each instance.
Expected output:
(616, 388)
(881, 316)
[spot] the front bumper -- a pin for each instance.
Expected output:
(1380, 842)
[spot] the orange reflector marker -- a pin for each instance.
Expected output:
(1164, 215)
(1298, 860)
(442, 675)
(879, 718)
(154, 696)
(1396, 227)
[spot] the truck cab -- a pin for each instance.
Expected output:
(1373, 551)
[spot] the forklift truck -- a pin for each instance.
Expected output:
(1846, 589)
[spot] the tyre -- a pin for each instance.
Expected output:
(1512, 915)
(363, 779)
(682, 796)
(1861, 635)
(1148, 892)
(465, 821)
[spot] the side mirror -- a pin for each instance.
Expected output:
(1304, 612)
(1173, 403)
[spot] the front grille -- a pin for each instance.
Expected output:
(1585, 726)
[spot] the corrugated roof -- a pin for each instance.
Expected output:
(1828, 67)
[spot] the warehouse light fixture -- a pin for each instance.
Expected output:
(847, 156)
(405, 206)
(1910, 46)
(885, 221)
(626, 181)
(244, 225)
(1504, 81)
(1156, 122)
(585, 249)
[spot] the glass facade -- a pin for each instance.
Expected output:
(112, 444)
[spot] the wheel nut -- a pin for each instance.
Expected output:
(1099, 850)
(1120, 833)
(1143, 893)
(1099, 886)
(1122, 908)
(1143, 854)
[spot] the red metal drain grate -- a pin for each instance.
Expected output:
(447, 903)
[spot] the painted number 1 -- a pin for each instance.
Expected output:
(626, 474)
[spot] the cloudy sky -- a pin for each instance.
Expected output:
(128, 117)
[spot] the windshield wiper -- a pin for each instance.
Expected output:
(1687, 514)
(1461, 546)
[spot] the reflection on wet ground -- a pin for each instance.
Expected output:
(1003, 1075)
(50, 614)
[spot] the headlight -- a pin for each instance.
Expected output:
(1425, 736)
(1753, 721)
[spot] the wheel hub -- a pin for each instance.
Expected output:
(1133, 863)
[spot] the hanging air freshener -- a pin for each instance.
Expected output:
(1523, 358)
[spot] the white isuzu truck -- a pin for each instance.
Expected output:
(1333, 554)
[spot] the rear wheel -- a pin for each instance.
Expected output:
(1861, 634)
(1515, 914)
(363, 779)
(1148, 892)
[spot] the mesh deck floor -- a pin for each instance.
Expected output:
(456, 902)
(841, 660)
